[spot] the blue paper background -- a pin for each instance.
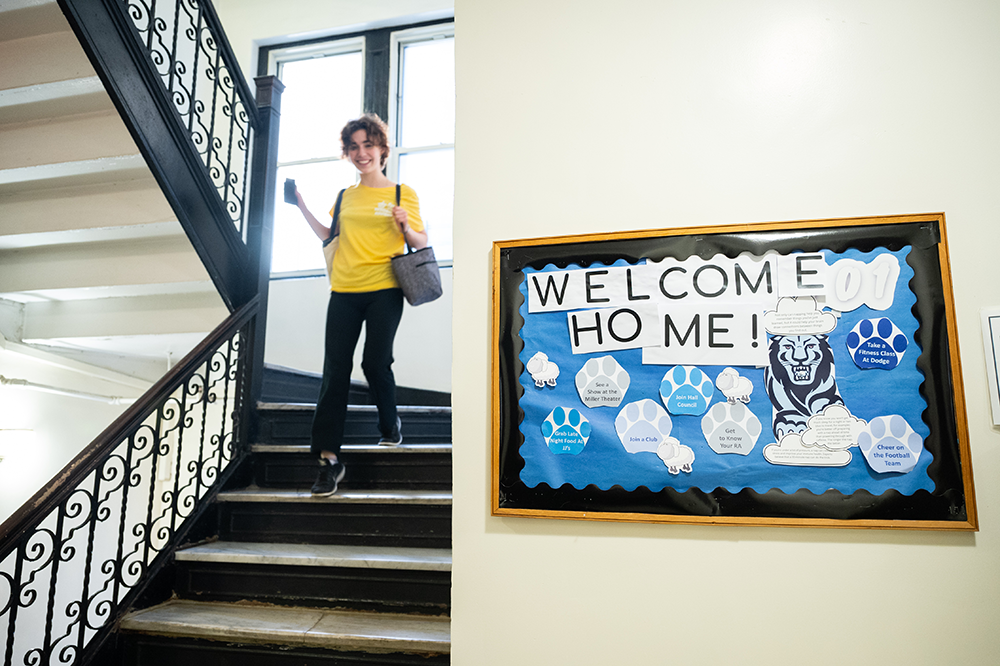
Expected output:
(605, 463)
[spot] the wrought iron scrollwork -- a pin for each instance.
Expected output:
(201, 79)
(69, 573)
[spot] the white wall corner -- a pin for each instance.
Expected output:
(11, 320)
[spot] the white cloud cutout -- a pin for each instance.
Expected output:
(790, 451)
(798, 315)
(836, 429)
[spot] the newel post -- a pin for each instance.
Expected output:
(260, 228)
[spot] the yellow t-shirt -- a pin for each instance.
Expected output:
(370, 237)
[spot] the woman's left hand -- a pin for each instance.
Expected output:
(402, 221)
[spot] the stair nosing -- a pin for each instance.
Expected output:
(319, 555)
(311, 406)
(444, 447)
(417, 497)
(293, 626)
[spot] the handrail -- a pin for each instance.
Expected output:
(114, 513)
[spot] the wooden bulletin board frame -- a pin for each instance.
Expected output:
(950, 505)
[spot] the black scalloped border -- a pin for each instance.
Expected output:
(946, 503)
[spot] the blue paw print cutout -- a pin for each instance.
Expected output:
(685, 389)
(876, 343)
(889, 444)
(565, 431)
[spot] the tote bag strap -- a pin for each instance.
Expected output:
(335, 225)
(408, 248)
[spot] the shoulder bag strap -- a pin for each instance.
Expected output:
(408, 248)
(335, 225)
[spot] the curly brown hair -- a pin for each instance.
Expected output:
(377, 131)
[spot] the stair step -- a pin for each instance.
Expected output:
(291, 423)
(369, 466)
(398, 518)
(293, 627)
(411, 580)
(318, 555)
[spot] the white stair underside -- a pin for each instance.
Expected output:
(23, 18)
(65, 140)
(137, 201)
(163, 260)
(100, 169)
(190, 312)
(47, 58)
(49, 100)
(93, 263)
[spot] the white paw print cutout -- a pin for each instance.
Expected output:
(731, 428)
(602, 382)
(542, 370)
(565, 431)
(889, 444)
(642, 426)
(677, 457)
(877, 343)
(685, 389)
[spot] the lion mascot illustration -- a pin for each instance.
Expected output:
(800, 380)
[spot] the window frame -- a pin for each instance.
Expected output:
(381, 49)
(399, 40)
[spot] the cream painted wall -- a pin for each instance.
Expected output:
(296, 322)
(590, 117)
(297, 308)
(61, 426)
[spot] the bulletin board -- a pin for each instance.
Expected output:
(790, 373)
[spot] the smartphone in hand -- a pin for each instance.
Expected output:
(290, 192)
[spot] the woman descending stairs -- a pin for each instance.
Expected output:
(360, 577)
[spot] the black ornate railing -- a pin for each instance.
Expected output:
(186, 44)
(75, 556)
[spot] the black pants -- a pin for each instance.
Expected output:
(380, 312)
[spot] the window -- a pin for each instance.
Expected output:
(407, 76)
(423, 120)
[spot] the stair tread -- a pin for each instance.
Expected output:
(369, 557)
(444, 447)
(343, 497)
(311, 406)
(264, 623)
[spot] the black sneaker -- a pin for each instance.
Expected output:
(395, 438)
(330, 474)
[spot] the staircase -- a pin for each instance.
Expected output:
(362, 577)
(94, 265)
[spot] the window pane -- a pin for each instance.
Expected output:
(432, 174)
(321, 95)
(295, 246)
(427, 107)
